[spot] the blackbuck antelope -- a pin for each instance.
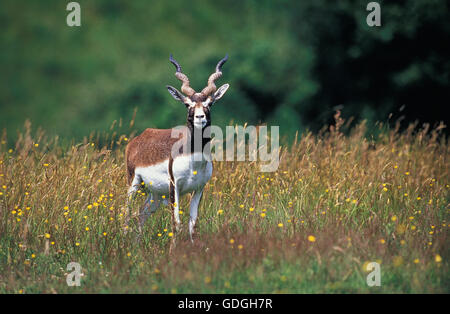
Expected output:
(150, 161)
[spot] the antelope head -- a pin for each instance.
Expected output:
(198, 104)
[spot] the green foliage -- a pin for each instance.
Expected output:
(291, 63)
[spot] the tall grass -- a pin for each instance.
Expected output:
(336, 203)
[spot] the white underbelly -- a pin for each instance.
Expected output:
(155, 177)
(189, 175)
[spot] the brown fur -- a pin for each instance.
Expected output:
(198, 97)
(150, 147)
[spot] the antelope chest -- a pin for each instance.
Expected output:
(189, 174)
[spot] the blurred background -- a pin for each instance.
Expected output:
(291, 63)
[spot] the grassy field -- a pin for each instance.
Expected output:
(336, 203)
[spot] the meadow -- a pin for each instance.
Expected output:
(338, 201)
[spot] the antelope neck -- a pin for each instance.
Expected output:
(195, 135)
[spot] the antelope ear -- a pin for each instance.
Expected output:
(220, 92)
(175, 93)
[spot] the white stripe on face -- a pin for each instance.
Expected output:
(207, 102)
(189, 102)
